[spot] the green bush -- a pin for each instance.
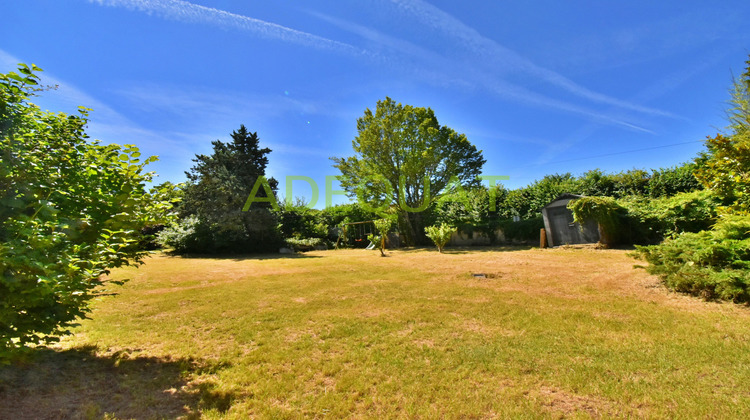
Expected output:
(714, 264)
(193, 235)
(382, 226)
(736, 227)
(71, 209)
(296, 220)
(528, 202)
(440, 235)
(352, 212)
(305, 244)
(179, 235)
(642, 220)
(725, 166)
(605, 211)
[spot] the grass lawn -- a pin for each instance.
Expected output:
(545, 333)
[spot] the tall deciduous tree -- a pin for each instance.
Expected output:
(725, 167)
(70, 210)
(739, 113)
(404, 158)
(218, 188)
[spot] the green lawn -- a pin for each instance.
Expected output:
(546, 333)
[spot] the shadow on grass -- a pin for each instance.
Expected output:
(478, 249)
(467, 250)
(79, 383)
(302, 255)
(243, 257)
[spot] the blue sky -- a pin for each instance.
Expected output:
(540, 86)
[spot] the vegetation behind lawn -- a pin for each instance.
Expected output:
(550, 333)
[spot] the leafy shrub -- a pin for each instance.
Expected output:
(528, 202)
(352, 212)
(296, 220)
(71, 209)
(382, 226)
(714, 264)
(179, 235)
(149, 237)
(725, 167)
(306, 244)
(440, 235)
(632, 182)
(193, 235)
(736, 227)
(375, 240)
(597, 183)
(641, 220)
(469, 210)
(605, 211)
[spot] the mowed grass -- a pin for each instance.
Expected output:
(546, 333)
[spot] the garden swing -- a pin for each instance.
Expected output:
(356, 233)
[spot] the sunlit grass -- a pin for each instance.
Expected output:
(347, 333)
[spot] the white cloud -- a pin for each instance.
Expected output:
(501, 136)
(656, 89)
(493, 54)
(192, 13)
(427, 65)
(66, 97)
(447, 72)
(105, 123)
(7, 62)
(524, 95)
(197, 105)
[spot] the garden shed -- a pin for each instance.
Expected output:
(560, 227)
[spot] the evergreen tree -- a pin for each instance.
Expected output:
(218, 186)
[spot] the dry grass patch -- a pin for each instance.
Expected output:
(545, 333)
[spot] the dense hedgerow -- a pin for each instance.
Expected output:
(642, 220)
(526, 230)
(649, 221)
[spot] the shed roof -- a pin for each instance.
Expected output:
(564, 196)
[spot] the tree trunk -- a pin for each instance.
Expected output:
(411, 228)
(406, 229)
